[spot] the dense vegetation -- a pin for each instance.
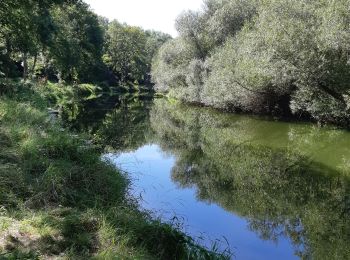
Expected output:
(64, 40)
(234, 163)
(58, 199)
(279, 176)
(272, 56)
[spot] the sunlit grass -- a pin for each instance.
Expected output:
(58, 199)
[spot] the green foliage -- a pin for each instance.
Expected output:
(26, 27)
(129, 51)
(280, 57)
(65, 41)
(169, 68)
(59, 199)
(125, 51)
(77, 47)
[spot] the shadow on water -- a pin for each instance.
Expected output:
(287, 180)
(114, 121)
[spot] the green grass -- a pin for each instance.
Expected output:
(58, 199)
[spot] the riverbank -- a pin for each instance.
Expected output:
(278, 117)
(58, 199)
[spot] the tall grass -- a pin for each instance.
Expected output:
(58, 199)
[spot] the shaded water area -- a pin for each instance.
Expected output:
(267, 189)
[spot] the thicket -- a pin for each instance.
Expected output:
(284, 57)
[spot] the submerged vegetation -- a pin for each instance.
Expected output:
(278, 57)
(59, 199)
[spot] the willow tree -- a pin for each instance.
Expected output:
(274, 56)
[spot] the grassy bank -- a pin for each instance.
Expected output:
(58, 199)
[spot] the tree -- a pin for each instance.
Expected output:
(76, 50)
(273, 56)
(154, 41)
(125, 51)
(25, 27)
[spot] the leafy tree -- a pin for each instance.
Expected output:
(76, 50)
(25, 27)
(154, 41)
(274, 56)
(130, 50)
(170, 67)
(125, 51)
(65, 40)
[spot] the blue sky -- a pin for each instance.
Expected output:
(159, 15)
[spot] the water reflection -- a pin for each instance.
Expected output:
(115, 122)
(286, 182)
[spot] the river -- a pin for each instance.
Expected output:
(261, 188)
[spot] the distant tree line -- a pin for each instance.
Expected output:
(285, 57)
(64, 40)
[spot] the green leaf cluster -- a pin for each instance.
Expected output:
(280, 57)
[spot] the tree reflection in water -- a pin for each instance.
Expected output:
(282, 188)
(287, 179)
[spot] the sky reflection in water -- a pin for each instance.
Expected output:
(150, 169)
(274, 190)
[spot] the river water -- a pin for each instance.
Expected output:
(260, 188)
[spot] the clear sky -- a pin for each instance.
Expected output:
(159, 15)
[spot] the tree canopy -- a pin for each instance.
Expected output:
(64, 40)
(273, 56)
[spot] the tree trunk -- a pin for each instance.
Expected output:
(34, 63)
(25, 66)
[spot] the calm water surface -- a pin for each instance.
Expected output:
(265, 189)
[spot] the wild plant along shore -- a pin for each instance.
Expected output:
(59, 199)
(280, 57)
(287, 58)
